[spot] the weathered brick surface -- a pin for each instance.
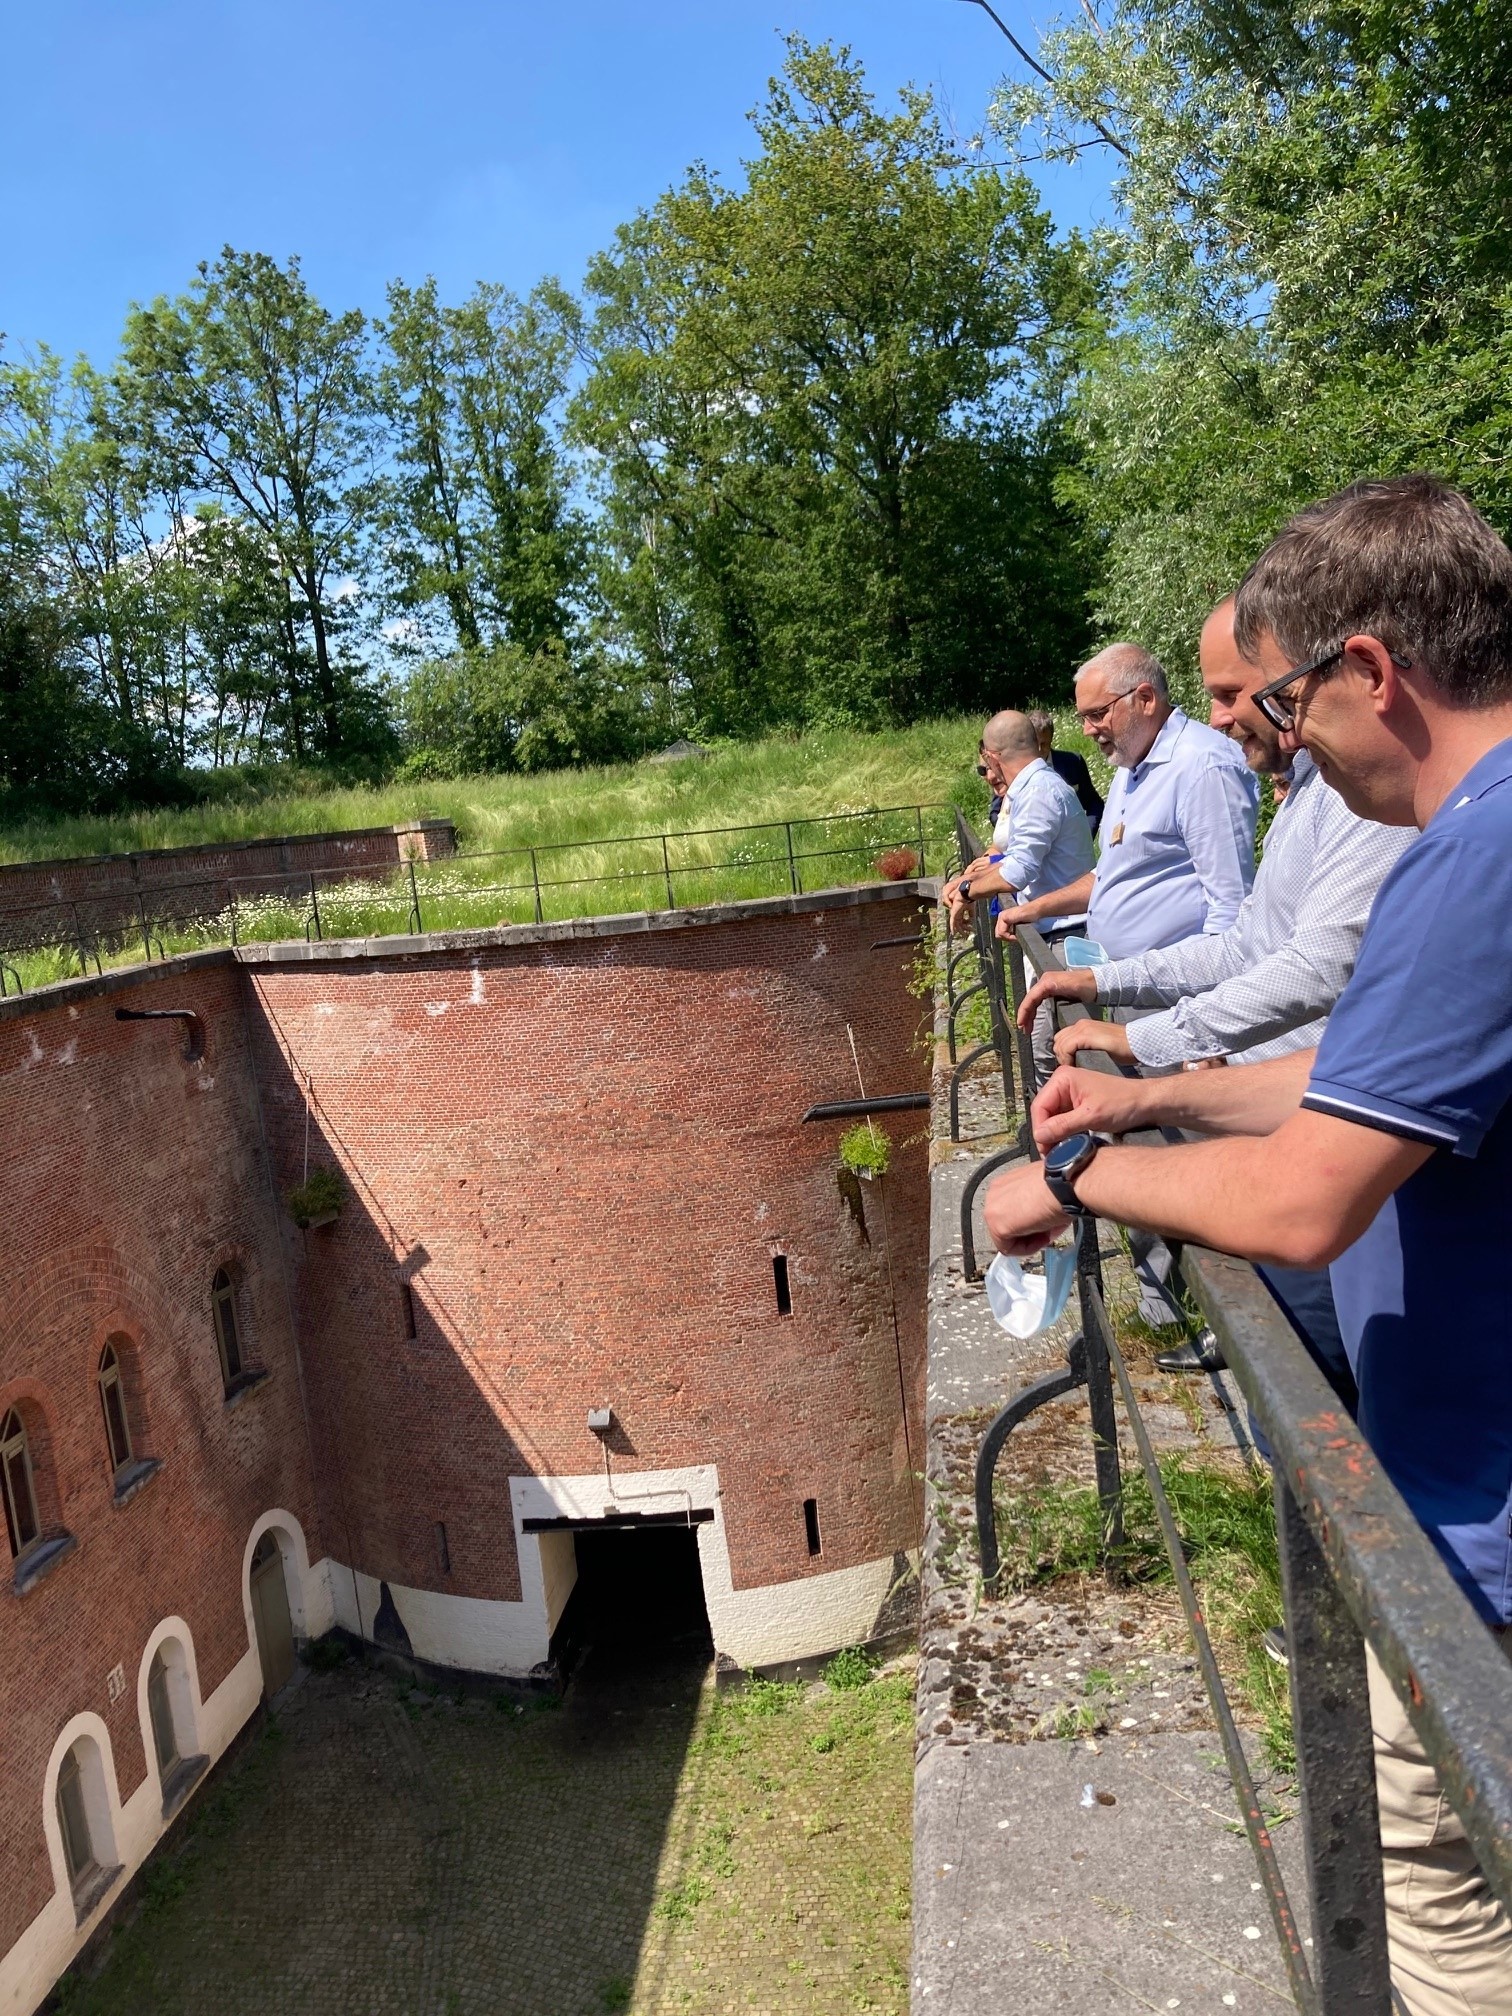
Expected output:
(582, 1157)
(128, 1177)
(582, 1154)
(101, 895)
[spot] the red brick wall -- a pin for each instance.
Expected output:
(101, 895)
(583, 1155)
(127, 1178)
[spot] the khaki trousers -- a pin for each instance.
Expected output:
(1450, 1941)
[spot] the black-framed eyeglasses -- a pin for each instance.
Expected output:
(1094, 717)
(1282, 712)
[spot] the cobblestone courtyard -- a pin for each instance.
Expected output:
(648, 1846)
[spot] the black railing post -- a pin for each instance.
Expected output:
(1100, 1394)
(787, 827)
(535, 883)
(667, 872)
(315, 906)
(417, 923)
(146, 934)
(1336, 1770)
(919, 825)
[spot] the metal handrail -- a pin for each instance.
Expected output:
(1356, 1568)
(170, 904)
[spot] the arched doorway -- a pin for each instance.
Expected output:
(270, 1616)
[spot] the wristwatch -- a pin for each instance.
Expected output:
(1061, 1167)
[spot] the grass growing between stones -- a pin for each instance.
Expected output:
(1225, 1516)
(384, 1848)
(785, 1885)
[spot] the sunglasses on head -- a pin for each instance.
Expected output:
(1280, 708)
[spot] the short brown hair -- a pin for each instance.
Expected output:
(1405, 559)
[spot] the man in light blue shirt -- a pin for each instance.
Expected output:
(1177, 848)
(1178, 835)
(1041, 840)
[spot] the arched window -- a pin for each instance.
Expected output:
(227, 1331)
(113, 1402)
(22, 1526)
(73, 1822)
(160, 1707)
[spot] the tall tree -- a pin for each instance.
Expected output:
(1314, 236)
(254, 395)
(824, 409)
(480, 524)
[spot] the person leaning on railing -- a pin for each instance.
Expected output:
(1041, 840)
(1382, 621)
(1177, 849)
(1263, 987)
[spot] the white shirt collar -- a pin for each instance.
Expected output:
(1025, 774)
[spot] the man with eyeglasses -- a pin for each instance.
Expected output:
(1381, 622)
(1177, 847)
(1264, 987)
(1178, 833)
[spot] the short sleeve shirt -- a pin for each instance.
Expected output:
(1420, 1045)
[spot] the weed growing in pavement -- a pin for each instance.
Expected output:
(851, 1668)
(1227, 1522)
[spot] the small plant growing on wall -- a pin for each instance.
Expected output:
(865, 1151)
(318, 1199)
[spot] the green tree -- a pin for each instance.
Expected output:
(1315, 239)
(479, 520)
(823, 411)
(247, 392)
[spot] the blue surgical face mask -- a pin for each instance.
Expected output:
(1024, 1304)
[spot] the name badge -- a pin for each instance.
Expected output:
(1116, 835)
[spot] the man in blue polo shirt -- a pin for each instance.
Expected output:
(1383, 621)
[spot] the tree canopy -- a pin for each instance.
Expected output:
(852, 434)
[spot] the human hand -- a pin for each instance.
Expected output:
(1109, 1036)
(1077, 983)
(1012, 915)
(1087, 1102)
(1021, 1214)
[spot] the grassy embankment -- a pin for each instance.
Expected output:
(579, 821)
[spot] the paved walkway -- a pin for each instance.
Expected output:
(1077, 1845)
(651, 1846)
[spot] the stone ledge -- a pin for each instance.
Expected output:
(573, 930)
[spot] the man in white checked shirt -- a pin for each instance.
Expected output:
(1264, 987)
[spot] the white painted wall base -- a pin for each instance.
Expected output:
(765, 1626)
(53, 1938)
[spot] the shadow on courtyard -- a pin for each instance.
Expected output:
(381, 1847)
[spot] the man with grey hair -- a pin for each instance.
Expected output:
(1177, 848)
(1041, 839)
(1178, 834)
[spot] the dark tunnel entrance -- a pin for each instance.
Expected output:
(637, 1611)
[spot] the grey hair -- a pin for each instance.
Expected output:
(1010, 733)
(1040, 718)
(1127, 666)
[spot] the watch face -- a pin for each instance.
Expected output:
(1068, 1154)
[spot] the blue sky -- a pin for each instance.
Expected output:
(473, 141)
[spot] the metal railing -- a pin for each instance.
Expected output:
(1356, 1566)
(460, 891)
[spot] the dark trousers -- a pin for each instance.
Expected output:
(1306, 1301)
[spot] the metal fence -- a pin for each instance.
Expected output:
(1355, 1564)
(537, 884)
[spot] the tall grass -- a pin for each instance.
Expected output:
(780, 777)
